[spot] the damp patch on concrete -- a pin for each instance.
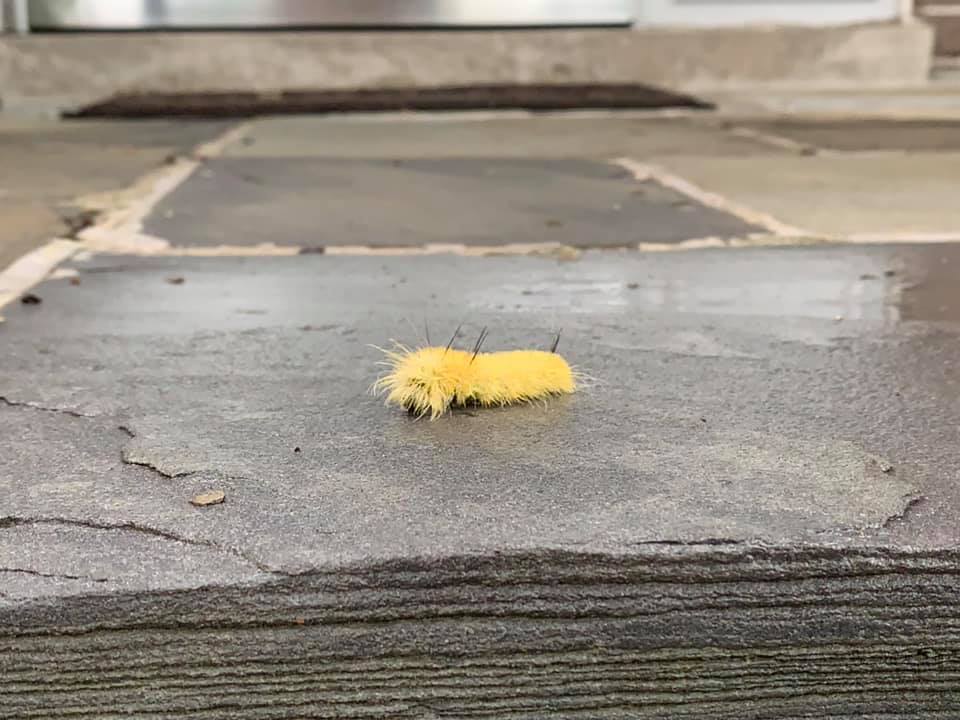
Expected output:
(316, 203)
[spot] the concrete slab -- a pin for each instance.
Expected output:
(491, 135)
(324, 202)
(761, 476)
(868, 135)
(687, 343)
(881, 195)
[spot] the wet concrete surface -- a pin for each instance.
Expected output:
(748, 509)
(323, 202)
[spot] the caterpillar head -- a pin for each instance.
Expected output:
(428, 380)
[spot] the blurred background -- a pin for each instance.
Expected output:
(64, 55)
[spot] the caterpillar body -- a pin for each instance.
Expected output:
(431, 380)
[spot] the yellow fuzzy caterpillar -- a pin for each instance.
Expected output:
(430, 380)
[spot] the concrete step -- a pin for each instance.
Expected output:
(72, 71)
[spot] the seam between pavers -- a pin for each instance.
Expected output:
(645, 171)
(33, 267)
(774, 140)
(782, 233)
(549, 250)
(121, 226)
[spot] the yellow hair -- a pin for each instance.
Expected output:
(430, 380)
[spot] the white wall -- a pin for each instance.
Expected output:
(728, 13)
(13, 15)
(647, 13)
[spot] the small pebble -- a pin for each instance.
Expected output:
(566, 253)
(211, 497)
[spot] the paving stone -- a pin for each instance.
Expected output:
(325, 202)
(754, 494)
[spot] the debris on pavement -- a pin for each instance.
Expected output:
(883, 464)
(211, 497)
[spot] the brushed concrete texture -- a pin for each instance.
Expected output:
(316, 203)
(70, 70)
(479, 135)
(749, 510)
(878, 194)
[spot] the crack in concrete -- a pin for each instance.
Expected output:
(695, 543)
(124, 457)
(913, 501)
(33, 406)
(912, 504)
(10, 521)
(122, 428)
(57, 576)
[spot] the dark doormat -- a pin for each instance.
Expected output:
(474, 97)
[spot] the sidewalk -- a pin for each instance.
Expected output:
(750, 510)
